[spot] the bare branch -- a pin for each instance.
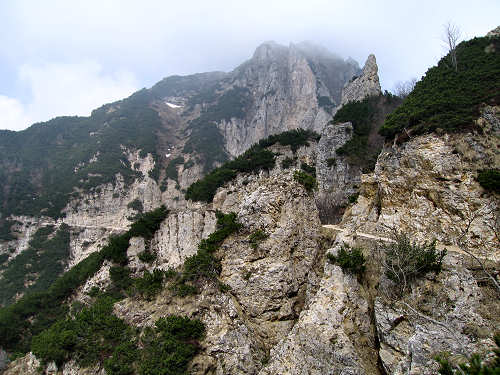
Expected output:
(403, 89)
(451, 38)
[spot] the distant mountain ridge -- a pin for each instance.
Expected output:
(220, 116)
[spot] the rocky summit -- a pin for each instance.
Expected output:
(283, 218)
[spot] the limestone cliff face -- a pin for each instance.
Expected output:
(427, 188)
(288, 310)
(291, 87)
(269, 284)
(337, 178)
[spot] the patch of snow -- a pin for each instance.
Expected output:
(172, 105)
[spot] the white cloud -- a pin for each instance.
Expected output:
(63, 89)
(12, 114)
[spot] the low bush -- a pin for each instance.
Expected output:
(150, 284)
(37, 267)
(405, 261)
(308, 181)
(256, 237)
(182, 289)
(366, 116)
(308, 169)
(147, 224)
(288, 162)
(147, 256)
(349, 259)
(204, 264)
(93, 334)
(256, 158)
(120, 277)
(450, 98)
(5, 230)
(170, 346)
(136, 205)
(36, 312)
(171, 170)
(97, 335)
(489, 179)
(353, 198)
(476, 365)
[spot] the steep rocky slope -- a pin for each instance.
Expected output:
(136, 154)
(287, 310)
(277, 299)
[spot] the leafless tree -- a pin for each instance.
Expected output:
(451, 37)
(404, 88)
(489, 211)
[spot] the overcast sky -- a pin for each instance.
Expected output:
(67, 57)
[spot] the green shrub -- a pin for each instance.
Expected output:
(39, 265)
(405, 260)
(147, 256)
(256, 237)
(308, 169)
(353, 198)
(204, 264)
(136, 205)
(72, 142)
(150, 284)
(253, 160)
(170, 346)
(359, 113)
(349, 259)
(120, 277)
(3, 259)
(170, 274)
(489, 179)
(309, 182)
(475, 364)
(182, 289)
(293, 138)
(224, 288)
(366, 116)
(447, 98)
(147, 224)
(331, 162)
(171, 170)
(5, 230)
(122, 360)
(93, 334)
(35, 312)
(116, 249)
(288, 162)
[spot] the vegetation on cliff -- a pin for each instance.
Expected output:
(253, 160)
(48, 164)
(449, 98)
(490, 179)
(366, 117)
(37, 311)
(37, 267)
(204, 264)
(205, 138)
(96, 335)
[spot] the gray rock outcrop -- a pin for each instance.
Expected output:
(367, 84)
(291, 87)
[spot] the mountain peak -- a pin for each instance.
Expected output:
(269, 50)
(367, 84)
